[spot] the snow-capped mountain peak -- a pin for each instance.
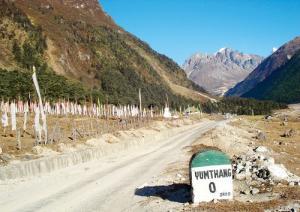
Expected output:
(220, 71)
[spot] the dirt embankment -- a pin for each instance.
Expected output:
(46, 159)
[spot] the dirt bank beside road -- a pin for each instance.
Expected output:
(106, 184)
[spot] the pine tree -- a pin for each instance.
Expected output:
(17, 51)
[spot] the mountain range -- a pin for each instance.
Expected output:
(282, 85)
(76, 43)
(220, 71)
(279, 61)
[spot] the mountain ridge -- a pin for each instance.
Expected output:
(220, 71)
(282, 85)
(265, 69)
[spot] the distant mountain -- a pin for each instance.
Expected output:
(78, 41)
(283, 84)
(280, 57)
(220, 71)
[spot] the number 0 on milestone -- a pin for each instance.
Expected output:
(211, 176)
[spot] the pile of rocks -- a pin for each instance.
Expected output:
(258, 169)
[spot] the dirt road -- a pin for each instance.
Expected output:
(108, 184)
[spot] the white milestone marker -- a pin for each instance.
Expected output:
(211, 176)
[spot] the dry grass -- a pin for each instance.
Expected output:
(178, 89)
(286, 149)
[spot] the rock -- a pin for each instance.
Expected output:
(270, 161)
(215, 201)
(37, 150)
(278, 172)
(284, 124)
(240, 176)
(247, 191)
(261, 149)
(261, 136)
(289, 133)
(291, 184)
(240, 168)
(28, 157)
(0, 150)
(268, 117)
(263, 173)
(6, 157)
(43, 151)
(61, 147)
(269, 189)
(254, 191)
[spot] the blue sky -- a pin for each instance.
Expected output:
(179, 28)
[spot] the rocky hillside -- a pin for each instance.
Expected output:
(283, 84)
(266, 68)
(77, 42)
(220, 71)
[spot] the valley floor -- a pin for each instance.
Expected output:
(108, 184)
(153, 175)
(239, 139)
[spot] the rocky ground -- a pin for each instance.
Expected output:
(265, 158)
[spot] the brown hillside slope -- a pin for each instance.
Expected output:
(84, 43)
